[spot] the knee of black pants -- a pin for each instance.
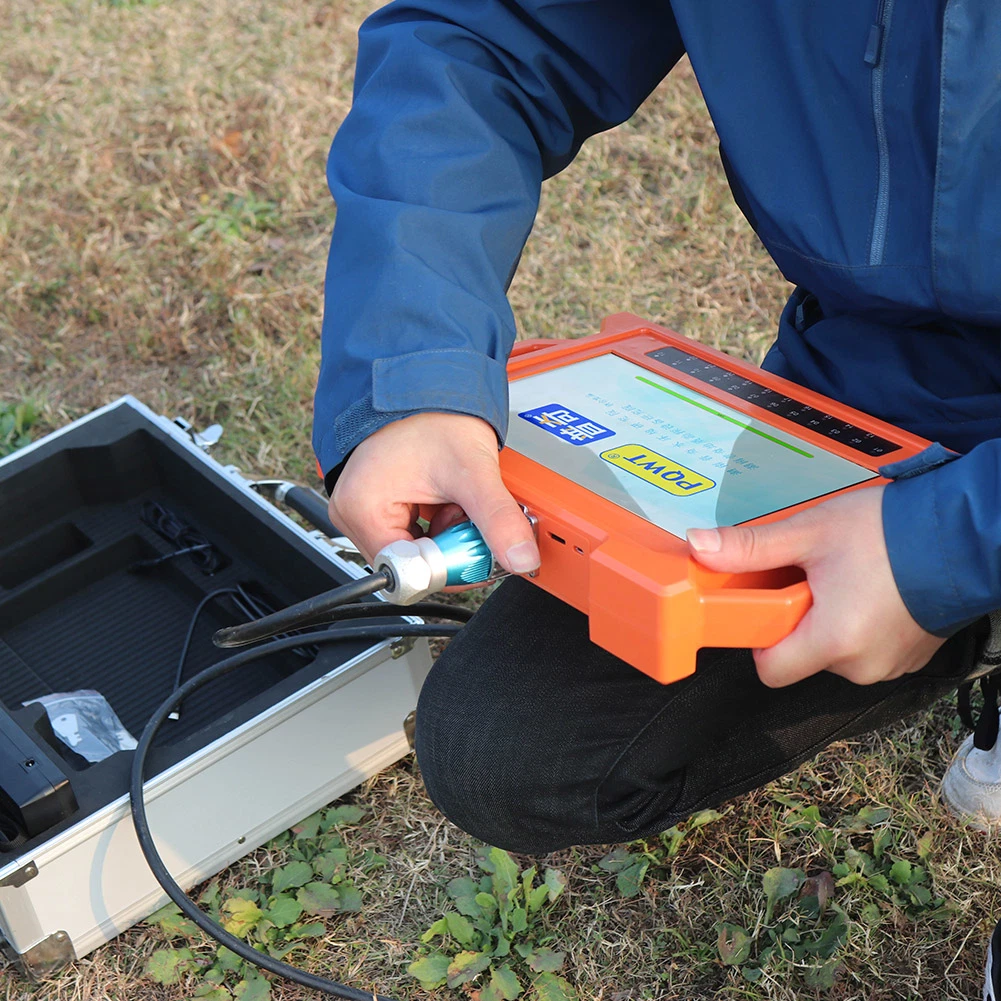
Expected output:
(474, 775)
(525, 729)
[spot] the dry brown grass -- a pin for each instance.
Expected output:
(130, 137)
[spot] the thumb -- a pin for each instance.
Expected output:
(748, 548)
(503, 523)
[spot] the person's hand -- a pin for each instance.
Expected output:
(858, 626)
(435, 466)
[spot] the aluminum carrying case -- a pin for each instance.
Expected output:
(88, 601)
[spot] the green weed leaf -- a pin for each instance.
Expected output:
(900, 872)
(462, 891)
(545, 960)
(15, 420)
(549, 987)
(556, 882)
(254, 988)
(351, 900)
(330, 865)
(176, 926)
(830, 939)
(209, 896)
(338, 816)
(859, 861)
(805, 818)
(308, 828)
(292, 876)
(314, 929)
(210, 992)
(431, 971)
(488, 902)
(465, 967)
(173, 923)
(734, 944)
(879, 883)
(504, 871)
(702, 818)
(869, 816)
(629, 881)
(821, 977)
(168, 910)
(284, 910)
(881, 840)
(537, 898)
(167, 966)
(528, 880)
(320, 899)
(779, 883)
(243, 916)
(227, 960)
(460, 928)
(504, 985)
(440, 927)
(616, 860)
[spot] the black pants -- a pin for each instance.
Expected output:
(532, 738)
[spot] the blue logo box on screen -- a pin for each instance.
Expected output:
(566, 424)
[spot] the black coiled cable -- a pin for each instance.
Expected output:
(145, 837)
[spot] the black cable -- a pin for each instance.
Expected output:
(306, 613)
(187, 540)
(145, 837)
(255, 607)
(378, 609)
(191, 630)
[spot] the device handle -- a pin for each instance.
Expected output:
(749, 616)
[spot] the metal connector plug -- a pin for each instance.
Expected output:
(457, 556)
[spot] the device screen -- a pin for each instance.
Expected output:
(665, 452)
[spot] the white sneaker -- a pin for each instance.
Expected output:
(971, 787)
(992, 974)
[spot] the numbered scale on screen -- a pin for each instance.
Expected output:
(771, 400)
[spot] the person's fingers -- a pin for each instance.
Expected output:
(499, 518)
(748, 548)
(801, 654)
(370, 523)
(444, 517)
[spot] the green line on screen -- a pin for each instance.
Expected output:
(716, 413)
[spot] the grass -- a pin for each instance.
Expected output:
(163, 228)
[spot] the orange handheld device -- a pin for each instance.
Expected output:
(621, 441)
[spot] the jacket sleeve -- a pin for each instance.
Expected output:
(460, 110)
(943, 535)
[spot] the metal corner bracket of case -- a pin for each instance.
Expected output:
(410, 728)
(20, 876)
(47, 956)
(402, 646)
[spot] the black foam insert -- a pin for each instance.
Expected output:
(75, 613)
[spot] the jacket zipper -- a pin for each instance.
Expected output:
(875, 46)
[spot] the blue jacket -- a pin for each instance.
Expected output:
(862, 139)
